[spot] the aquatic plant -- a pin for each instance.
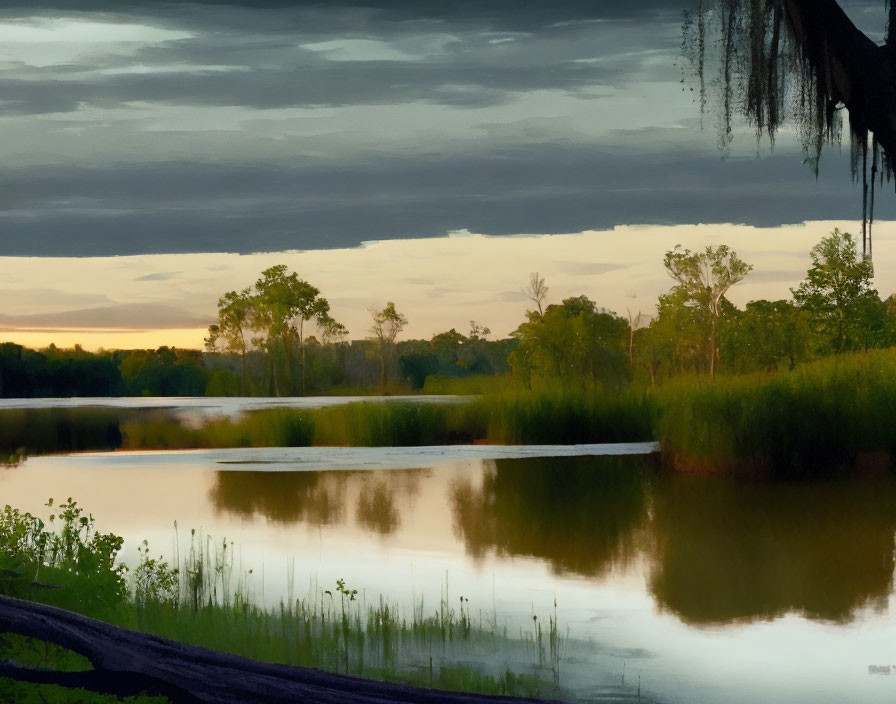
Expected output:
(201, 599)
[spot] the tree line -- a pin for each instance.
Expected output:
(55, 372)
(278, 338)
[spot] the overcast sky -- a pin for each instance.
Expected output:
(143, 128)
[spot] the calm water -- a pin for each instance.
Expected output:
(212, 405)
(712, 590)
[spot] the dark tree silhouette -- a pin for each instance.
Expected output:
(803, 62)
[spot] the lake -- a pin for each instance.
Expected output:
(213, 405)
(708, 589)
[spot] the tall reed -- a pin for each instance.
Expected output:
(826, 415)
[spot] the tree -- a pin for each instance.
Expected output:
(703, 279)
(478, 332)
(837, 290)
(802, 61)
(575, 342)
(283, 304)
(234, 317)
(331, 330)
(387, 324)
(677, 337)
(766, 335)
(536, 291)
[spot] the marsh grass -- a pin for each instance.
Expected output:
(474, 384)
(565, 417)
(831, 414)
(508, 418)
(272, 427)
(201, 598)
(828, 414)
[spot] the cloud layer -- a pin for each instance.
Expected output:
(236, 127)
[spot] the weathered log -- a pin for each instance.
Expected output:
(127, 662)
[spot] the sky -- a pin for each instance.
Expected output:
(155, 155)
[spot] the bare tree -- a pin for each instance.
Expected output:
(536, 291)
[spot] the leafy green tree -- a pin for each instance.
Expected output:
(677, 338)
(283, 303)
(765, 336)
(166, 371)
(837, 292)
(234, 319)
(387, 324)
(703, 279)
(574, 341)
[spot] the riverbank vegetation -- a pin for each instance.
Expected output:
(201, 599)
(278, 339)
(784, 387)
(824, 415)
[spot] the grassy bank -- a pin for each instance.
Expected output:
(508, 418)
(830, 414)
(203, 600)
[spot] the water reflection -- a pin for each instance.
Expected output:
(708, 550)
(35, 431)
(376, 510)
(717, 551)
(728, 551)
(316, 498)
(582, 515)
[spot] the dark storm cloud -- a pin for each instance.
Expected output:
(197, 207)
(381, 83)
(176, 188)
(276, 69)
(511, 13)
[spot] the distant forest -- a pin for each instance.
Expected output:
(340, 367)
(261, 345)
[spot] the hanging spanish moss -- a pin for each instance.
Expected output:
(804, 63)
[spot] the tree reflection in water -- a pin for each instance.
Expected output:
(717, 550)
(376, 509)
(316, 498)
(730, 550)
(713, 551)
(582, 515)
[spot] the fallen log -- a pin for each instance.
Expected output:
(128, 662)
